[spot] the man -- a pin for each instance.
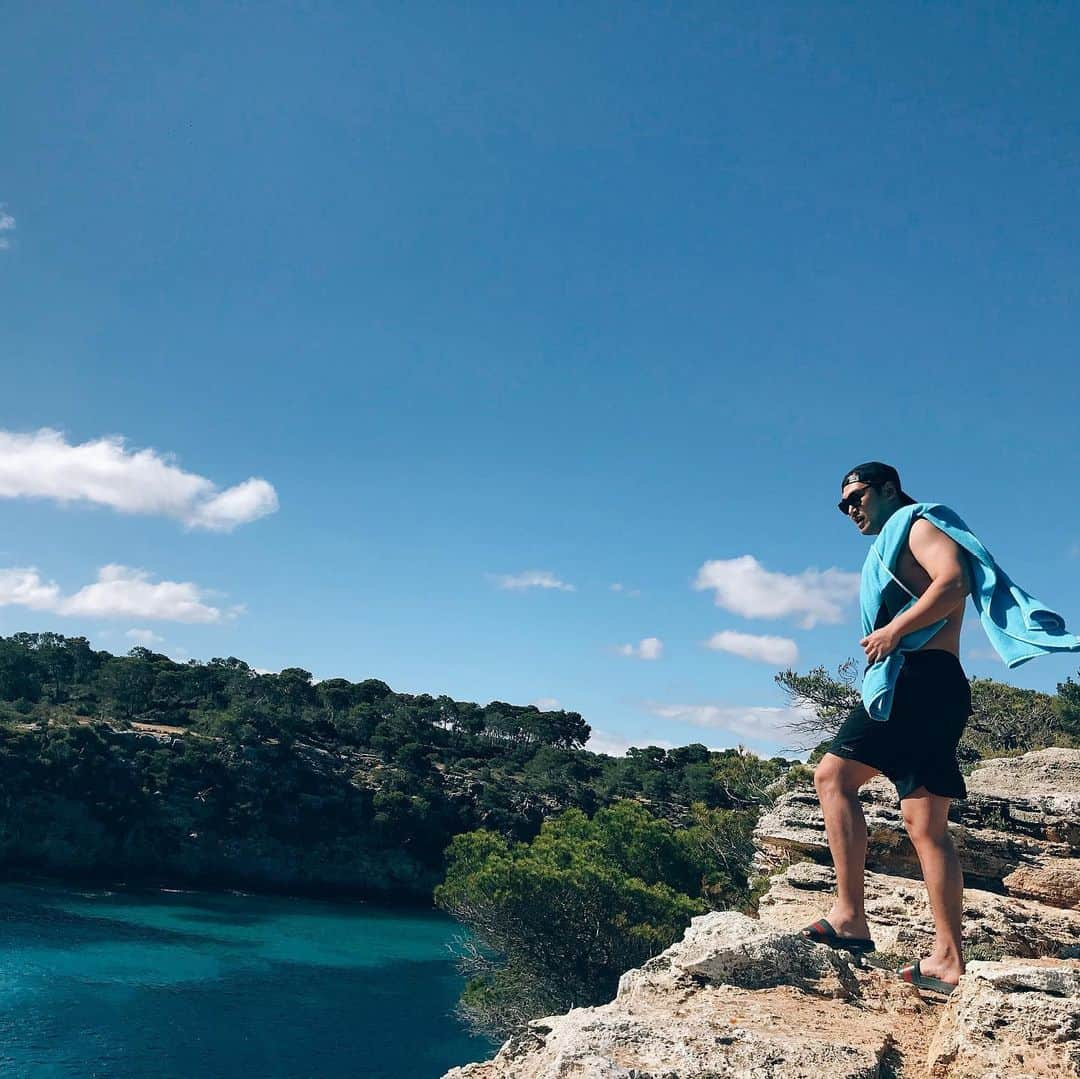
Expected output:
(916, 746)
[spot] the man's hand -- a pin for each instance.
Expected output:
(880, 643)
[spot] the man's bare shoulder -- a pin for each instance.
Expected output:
(924, 531)
(934, 550)
(922, 528)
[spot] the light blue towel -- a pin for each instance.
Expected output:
(1018, 625)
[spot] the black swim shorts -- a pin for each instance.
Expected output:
(916, 746)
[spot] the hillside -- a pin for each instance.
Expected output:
(142, 769)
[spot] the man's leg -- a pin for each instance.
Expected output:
(838, 781)
(926, 816)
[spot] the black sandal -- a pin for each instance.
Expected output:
(914, 976)
(823, 933)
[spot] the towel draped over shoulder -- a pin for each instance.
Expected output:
(1018, 625)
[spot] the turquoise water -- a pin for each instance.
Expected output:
(116, 984)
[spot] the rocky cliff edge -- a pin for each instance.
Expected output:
(748, 998)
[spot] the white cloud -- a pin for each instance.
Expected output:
(105, 472)
(617, 587)
(744, 586)
(546, 704)
(24, 588)
(531, 578)
(754, 722)
(646, 648)
(245, 502)
(616, 745)
(124, 591)
(779, 651)
(119, 592)
(650, 648)
(145, 637)
(7, 223)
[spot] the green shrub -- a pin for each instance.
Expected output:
(560, 918)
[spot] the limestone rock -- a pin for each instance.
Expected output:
(716, 1038)
(728, 948)
(1055, 881)
(1010, 1020)
(688, 1015)
(1037, 793)
(898, 911)
(1058, 979)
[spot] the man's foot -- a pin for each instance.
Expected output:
(947, 970)
(845, 925)
(926, 974)
(822, 932)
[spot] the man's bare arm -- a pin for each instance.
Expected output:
(943, 560)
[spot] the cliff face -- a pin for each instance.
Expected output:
(740, 997)
(245, 818)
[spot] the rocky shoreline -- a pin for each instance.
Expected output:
(745, 997)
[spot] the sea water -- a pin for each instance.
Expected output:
(116, 983)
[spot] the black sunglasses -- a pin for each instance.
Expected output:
(845, 505)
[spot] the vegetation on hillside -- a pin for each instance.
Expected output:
(554, 922)
(218, 774)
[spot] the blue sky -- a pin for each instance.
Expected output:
(385, 340)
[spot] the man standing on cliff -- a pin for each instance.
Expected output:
(916, 746)
(916, 699)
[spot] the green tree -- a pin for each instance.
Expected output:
(127, 683)
(723, 842)
(336, 695)
(559, 919)
(21, 673)
(1006, 719)
(57, 661)
(1067, 707)
(824, 700)
(296, 690)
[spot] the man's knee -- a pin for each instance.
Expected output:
(838, 777)
(924, 833)
(825, 775)
(926, 824)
